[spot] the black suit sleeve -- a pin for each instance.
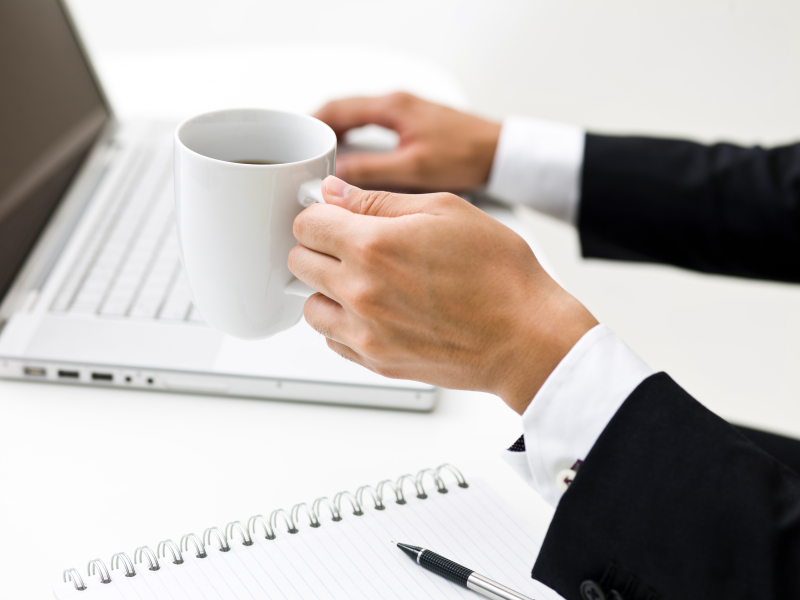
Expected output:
(673, 502)
(718, 209)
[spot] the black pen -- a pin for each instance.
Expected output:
(460, 575)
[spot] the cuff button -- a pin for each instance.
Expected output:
(590, 590)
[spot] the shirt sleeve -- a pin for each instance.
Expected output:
(538, 163)
(572, 409)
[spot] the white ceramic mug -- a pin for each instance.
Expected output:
(235, 220)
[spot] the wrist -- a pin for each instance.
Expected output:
(546, 335)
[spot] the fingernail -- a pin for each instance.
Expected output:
(336, 187)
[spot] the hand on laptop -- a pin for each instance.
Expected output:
(440, 148)
(430, 288)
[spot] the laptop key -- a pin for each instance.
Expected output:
(179, 301)
(115, 307)
(131, 264)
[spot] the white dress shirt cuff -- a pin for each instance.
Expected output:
(573, 407)
(538, 163)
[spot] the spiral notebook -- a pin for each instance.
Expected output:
(332, 549)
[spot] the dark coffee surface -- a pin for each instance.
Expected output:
(257, 162)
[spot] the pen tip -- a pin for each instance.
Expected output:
(393, 542)
(412, 551)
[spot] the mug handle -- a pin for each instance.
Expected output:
(309, 193)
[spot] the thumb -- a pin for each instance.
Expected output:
(376, 204)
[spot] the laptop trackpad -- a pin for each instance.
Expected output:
(126, 343)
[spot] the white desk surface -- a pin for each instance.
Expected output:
(87, 472)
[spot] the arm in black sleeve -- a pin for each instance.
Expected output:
(673, 502)
(718, 209)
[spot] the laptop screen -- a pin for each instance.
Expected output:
(51, 110)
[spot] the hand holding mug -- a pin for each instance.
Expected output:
(430, 288)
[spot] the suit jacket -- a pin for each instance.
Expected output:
(672, 501)
(718, 209)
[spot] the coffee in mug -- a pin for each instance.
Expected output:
(257, 162)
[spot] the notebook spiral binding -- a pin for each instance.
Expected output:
(278, 520)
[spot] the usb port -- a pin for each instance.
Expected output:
(69, 374)
(34, 371)
(102, 377)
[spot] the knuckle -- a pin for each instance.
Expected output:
(418, 164)
(367, 200)
(335, 108)
(369, 345)
(307, 221)
(366, 245)
(400, 99)
(444, 200)
(371, 200)
(399, 104)
(363, 299)
(448, 198)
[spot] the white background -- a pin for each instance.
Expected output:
(704, 68)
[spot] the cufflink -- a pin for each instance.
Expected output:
(565, 477)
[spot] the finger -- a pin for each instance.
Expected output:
(326, 317)
(380, 204)
(343, 115)
(373, 169)
(320, 271)
(324, 228)
(346, 352)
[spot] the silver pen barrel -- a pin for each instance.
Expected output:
(492, 589)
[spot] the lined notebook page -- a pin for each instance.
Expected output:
(350, 559)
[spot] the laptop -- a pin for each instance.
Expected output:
(93, 292)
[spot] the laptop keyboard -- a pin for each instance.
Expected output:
(130, 265)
